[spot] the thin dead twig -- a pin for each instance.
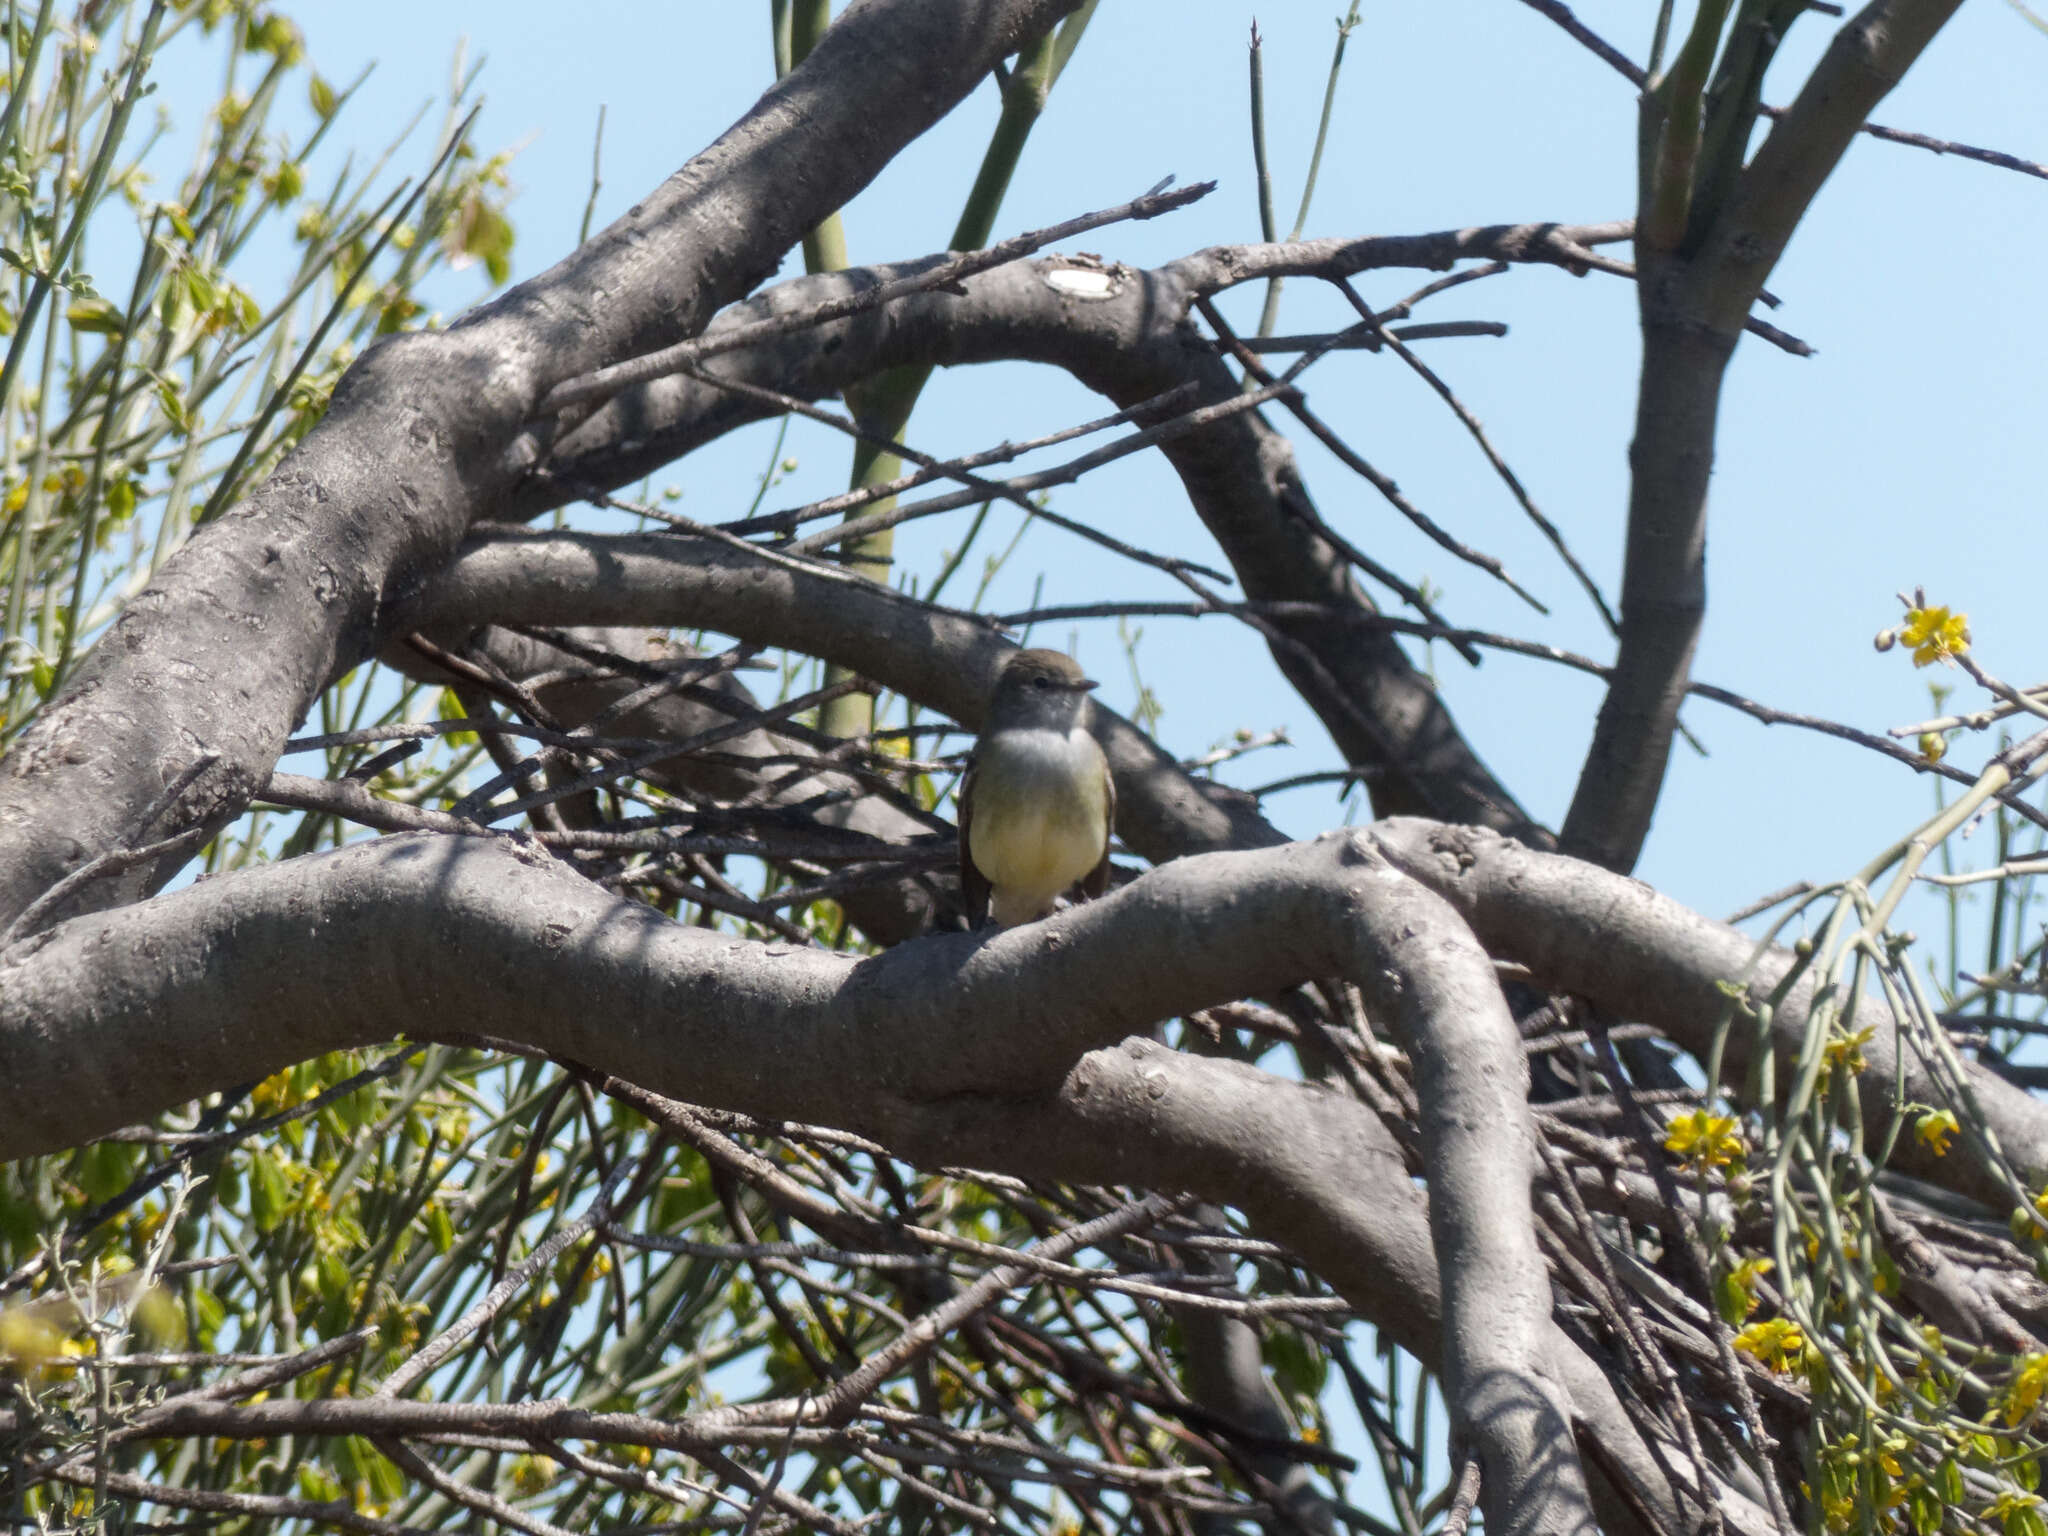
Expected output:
(1477, 430)
(1298, 406)
(1002, 453)
(1633, 72)
(605, 382)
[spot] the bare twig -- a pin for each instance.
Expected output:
(606, 382)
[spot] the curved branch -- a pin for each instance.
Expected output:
(1335, 1190)
(1584, 930)
(1131, 342)
(943, 658)
(744, 768)
(414, 444)
(112, 1016)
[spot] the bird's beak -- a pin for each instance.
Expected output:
(1082, 685)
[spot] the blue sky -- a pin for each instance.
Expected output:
(1909, 451)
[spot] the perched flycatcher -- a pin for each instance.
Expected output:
(1037, 804)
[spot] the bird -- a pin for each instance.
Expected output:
(1037, 804)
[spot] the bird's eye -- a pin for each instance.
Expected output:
(1041, 682)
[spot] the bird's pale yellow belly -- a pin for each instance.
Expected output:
(1038, 823)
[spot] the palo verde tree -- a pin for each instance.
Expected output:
(572, 1102)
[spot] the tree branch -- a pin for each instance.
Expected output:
(111, 1016)
(1128, 342)
(412, 448)
(1585, 931)
(1694, 296)
(943, 658)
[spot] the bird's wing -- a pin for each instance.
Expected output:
(1096, 881)
(974, 888)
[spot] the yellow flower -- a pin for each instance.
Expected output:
(1935, 1128)
(1933, 746)
(36, 1339)
(1736, 1294)
(276, 1093)
(531, 1474)
(2023, 1392)
(2014, 1511)
(1777, 1342)
(1702, 1141)
(1935, 634)
(1846, 1051)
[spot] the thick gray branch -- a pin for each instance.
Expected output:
(1694, 301)
(1131, 343)
(1335, 1191)
(1867, 57)
(1583, 930)
(113, 1016)
(942, 658)
(247, 623)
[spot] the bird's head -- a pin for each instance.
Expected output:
(1039, 688)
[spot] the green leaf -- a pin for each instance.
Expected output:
(333, 1276)
(173, 407)
(276, 36)
(389, 1485)
(200, 290)
(229, 1184)
(317, 1484)
(1731, 1300)
(450, 708)
(356, 1110)
(1298, 1365)
(286, 182)
(97, 316)
(322, 96)
(105, 1168)
(479, 232)
(211, 1314)
(268, 1192)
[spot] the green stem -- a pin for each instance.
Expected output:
(883, 405)
(825, 246)
(1269, 316)
(23, 70)
(1678, 145)
(1659, 36)
(87, 197)
(1315, 159)
(778, 26)
(959, 556)
(1255, 58)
